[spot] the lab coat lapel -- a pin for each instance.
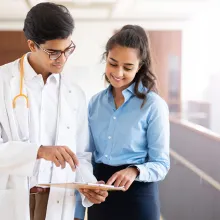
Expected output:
(65, 128)
(68, 120)
(67, 114)
(10, 87)
(65, 198)
(20, 114)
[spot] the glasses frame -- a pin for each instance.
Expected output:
(72, 45)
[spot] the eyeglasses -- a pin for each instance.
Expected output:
(56, 54)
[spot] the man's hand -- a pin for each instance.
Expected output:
(59, 155)
(95, 196)
(124, 177)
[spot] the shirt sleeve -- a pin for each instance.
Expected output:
(85, 169)
(16, 157)
(91, 147)
(80, 209)
(158, 138)
(82, 126)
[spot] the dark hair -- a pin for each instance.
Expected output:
(48, 21)
(134, 36)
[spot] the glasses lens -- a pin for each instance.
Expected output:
(69, 51)
(54, 55)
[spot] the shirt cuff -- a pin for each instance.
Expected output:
(86, 203)
(143, 174)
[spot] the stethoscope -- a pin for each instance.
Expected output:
(21, 94)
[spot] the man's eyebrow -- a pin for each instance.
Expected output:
(52, 50)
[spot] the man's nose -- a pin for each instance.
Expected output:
(62, 58)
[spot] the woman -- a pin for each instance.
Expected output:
(129, 126)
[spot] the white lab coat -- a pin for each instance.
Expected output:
(18, 155)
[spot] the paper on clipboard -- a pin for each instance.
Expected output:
(78, 185)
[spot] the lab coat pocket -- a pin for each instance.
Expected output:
(69, 204)
(69, 197)
(7, 204)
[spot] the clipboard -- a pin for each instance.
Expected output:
(78, 185)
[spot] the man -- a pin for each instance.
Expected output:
(43, 117)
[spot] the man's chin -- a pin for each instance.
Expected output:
(57, 70)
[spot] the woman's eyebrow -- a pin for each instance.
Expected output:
(113, 59)
(129, 64)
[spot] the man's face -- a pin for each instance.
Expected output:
(51, 49)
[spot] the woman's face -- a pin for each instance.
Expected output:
(122, 64)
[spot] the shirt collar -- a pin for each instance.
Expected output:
(30, 74)
(127, 93)
(54, 77)
(141, 88)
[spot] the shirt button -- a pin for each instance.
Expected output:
(68, 127)
(109, 137)
(106, 155)
(114, 117)
(58, 201)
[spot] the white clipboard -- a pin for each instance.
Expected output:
(78, 185)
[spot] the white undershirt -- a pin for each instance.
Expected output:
(43, 99)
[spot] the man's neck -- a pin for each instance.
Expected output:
(38, 69)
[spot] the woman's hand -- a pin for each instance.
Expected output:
(95, 196)
(124, 177)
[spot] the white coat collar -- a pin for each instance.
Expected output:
(15, 73)
(21, 113)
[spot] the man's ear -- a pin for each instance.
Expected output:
(32, 46)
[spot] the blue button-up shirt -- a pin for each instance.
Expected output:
(131, 134)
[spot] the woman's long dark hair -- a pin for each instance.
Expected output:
(134, 36)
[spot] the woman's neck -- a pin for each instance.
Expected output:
(117, 93)
(118, 97)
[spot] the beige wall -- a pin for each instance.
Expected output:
(163, 45)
